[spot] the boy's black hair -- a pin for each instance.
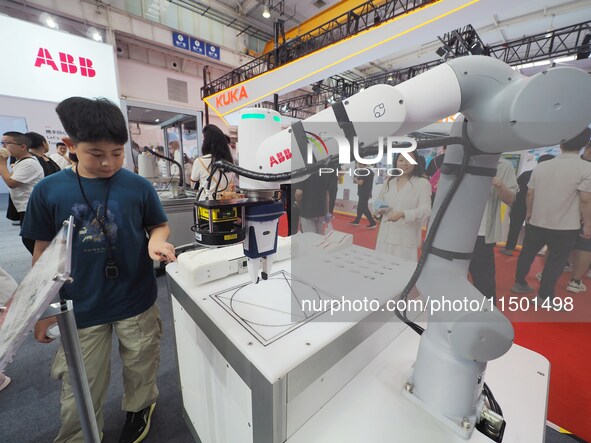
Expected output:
(18, 137)
(577, 143)
(58, 144)
(95, 120)
(36, 139)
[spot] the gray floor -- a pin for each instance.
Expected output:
(29, 406)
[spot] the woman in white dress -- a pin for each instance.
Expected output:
(407, 200)
(215, 147)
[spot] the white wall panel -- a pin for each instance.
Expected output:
(153, 86)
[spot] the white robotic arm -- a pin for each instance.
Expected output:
(503, 111)
(506, 110)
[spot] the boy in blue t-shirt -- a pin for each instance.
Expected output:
(120, 227)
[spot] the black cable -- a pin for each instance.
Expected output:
(217, 185)
(227, 181)
(199, 193)
(224, 165)
(201, 188)
(195, 226)
(494, 405)
(209, 180)
(171, 160)
(431, 236)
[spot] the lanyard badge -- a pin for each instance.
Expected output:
(111, 270)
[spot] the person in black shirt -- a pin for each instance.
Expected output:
(38, 148)
(311, 197)
(333, 187)
(364, 188)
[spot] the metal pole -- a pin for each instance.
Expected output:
(78, 379)
(205, 91)
(276, 43)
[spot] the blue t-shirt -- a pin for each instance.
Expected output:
(133, 205)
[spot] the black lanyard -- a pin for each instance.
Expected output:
(111, 270)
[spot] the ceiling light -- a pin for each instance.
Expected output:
(157, 120)
(550, 31)
(565, 59)
(475, 48)
(94, 34)
(524, 66)
(266, 11)
(48, 20)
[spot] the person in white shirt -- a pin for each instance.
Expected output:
(559, 196)
(26, 173)
(181, 159)
(482, 265)
(215, 147)
(60, 156)
(407, 201)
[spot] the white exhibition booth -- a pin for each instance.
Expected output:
(42, 67)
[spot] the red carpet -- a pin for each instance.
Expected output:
(567, 345)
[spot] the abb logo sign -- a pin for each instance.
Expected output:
(280, 157)
(68, 63)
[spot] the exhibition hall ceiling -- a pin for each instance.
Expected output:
(293, 12)
(527, 17)
(523, 18)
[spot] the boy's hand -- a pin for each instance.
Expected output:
(41, 327)
(161, 250)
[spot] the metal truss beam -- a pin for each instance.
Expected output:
(346, 25)
(572, 40)
(554, 44)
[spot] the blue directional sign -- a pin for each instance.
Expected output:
(197, 46)
(180, 40)
(212, 51)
